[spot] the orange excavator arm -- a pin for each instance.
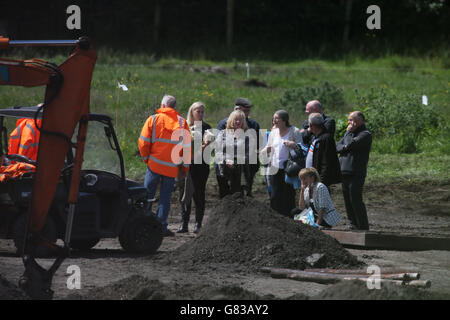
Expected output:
(66, 104)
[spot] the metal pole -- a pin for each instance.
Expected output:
(42, 43)
(69, 223)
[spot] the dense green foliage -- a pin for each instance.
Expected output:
(330, 96)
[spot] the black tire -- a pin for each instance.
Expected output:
(142, 234)
(83, 244)
(48, 232)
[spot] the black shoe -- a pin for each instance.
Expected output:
(197, 227)
(168, 233)
(183, 228)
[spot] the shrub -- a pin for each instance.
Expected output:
(330, 96)
(402, 122)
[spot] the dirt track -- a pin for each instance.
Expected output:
(403, 209)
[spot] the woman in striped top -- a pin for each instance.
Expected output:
(315, 194)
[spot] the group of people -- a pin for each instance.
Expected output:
(238, 153)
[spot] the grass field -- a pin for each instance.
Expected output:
(149, 79)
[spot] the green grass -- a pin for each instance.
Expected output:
(408, 168)
(149, 79)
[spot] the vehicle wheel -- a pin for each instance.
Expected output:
(143, 234)
(83, 244)
(48, 232)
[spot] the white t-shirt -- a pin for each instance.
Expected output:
(280, 151)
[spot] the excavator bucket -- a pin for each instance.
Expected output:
(66, 104)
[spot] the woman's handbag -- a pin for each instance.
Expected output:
(294, 164)
(296, 160)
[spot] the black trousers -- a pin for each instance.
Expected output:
(282, 196)
(199, 174)
(249, 175)
(352, 188)
(230, 181)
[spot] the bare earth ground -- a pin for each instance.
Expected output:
(406, 209)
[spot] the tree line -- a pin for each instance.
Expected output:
(237, 28)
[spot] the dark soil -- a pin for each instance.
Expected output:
(248, 232)
(9, 291)
(141, 288)
(357, 290)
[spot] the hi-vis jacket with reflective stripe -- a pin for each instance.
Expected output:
(15, 170)
(163, 145)
(24, 139)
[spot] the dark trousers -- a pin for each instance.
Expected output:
(282, 196)
(249, 175)
(230, 181)
(199, 175)
(352, 188)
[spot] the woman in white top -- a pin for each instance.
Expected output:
(314, 194)
(282, 139)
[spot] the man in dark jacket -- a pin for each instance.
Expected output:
(322, 152)
(250, 171)
(354, 149)
(314, 106)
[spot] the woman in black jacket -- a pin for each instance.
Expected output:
(194, 185)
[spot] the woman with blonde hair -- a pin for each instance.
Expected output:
(232, 151)
(314, 194)
(194, 185)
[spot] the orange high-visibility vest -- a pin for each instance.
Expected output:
(160, 135)
(15, 170)
(24, 139)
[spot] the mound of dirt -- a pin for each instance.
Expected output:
(357, 290)
(8, 291)
(140, 288)
(246, 231)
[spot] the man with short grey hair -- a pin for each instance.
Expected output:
(156, 146)
(314, 106)
(322, 152)
(169, 101)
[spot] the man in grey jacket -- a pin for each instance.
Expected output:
(354, 149)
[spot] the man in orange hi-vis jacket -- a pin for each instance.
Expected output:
(24, 139)
(165, 146)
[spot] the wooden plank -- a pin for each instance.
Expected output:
(351, 238)
(389, 241)
(327, 278)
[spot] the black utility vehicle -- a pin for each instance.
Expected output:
(109, 205)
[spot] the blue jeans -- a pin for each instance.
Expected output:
(167, 184)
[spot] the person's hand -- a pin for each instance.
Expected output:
(290, 144)
(351, 125)
(303, 187)
(229, 163)
(205, 145)
(182, 175)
